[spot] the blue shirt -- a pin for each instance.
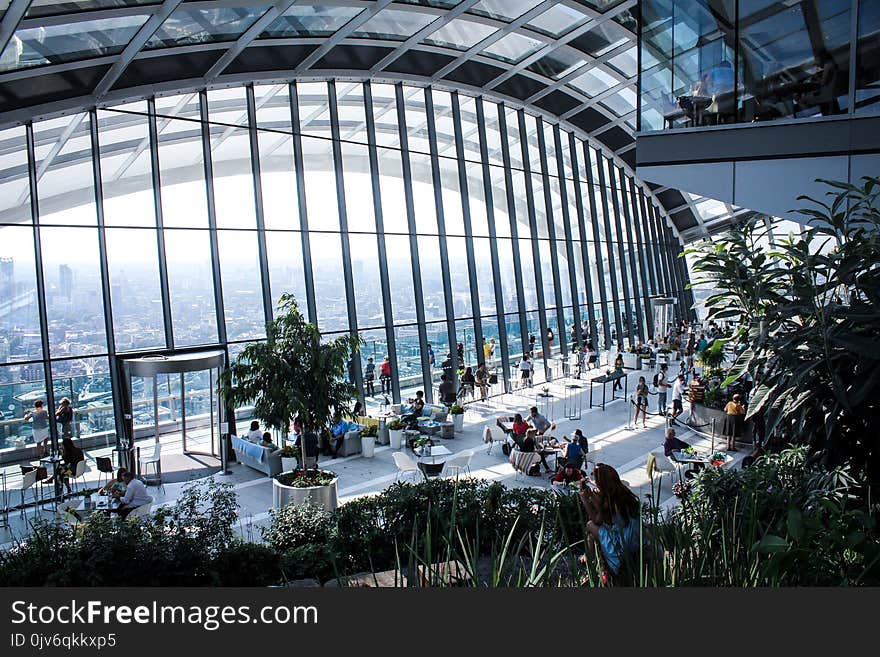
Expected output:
(339, 428)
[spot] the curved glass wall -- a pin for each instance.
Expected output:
(411, 216)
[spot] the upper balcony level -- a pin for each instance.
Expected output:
(711, 62)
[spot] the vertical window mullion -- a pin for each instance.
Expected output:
(585, 251)
(308, 271)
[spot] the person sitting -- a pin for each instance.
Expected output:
(308, 439)
(114, 485)
(468, 383)
(569, 473)
(417, 406)
(446, 390)
(573, 453)
(481, 378)
(266, 441)
(541, 423)
(673, 444)
(254, 435)
(529, 444)
(517, 430)
(613, 526)
(135, 495)
(70, 456)
(337, 432)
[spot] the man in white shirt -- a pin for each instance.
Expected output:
(662, 389)
(677, 394)
(135, 495)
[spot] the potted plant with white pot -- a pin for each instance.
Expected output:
(395, 433)
(368, 441)
(457, 413)
(294, 374)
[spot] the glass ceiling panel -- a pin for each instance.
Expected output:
(621, 102)
(53, 44)
(603, 38)
(310, 21)
(460, 34)
(504, 10)
(53, 7)
(445, 4)
(593, 82)
(557, 64)
(188, 26)
(513, 48)
(558, 20)
(394, 24)
(626, 63)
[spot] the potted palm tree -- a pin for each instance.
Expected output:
(294, 374)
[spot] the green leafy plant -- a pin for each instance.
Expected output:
(809, 317)
(294, 373)
(289, 452)
(396, 425)
(455, 409)
(370, 431)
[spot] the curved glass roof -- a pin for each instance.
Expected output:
(573, 60)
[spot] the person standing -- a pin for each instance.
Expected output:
(677, 396)
(641, 402)
(735, 413)
(525, 371)
(662, 389)
(370, 376)
(385, 375)
(532, 344)
(618, 369)
(39, 418)
(550, 337)
(64, 417)
(431, 357)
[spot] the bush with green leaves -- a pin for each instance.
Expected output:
(808, 311)
(296, 525)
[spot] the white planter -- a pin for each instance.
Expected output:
(458, 422)
(396, 437)
(288, 463)
(368, 445)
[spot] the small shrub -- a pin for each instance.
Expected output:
(296, 525)
(309, 561)
(246, 564)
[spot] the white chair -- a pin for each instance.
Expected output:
(67, 513)
(79, 472)
(154, 459)
(458, 464)
(141, 511)
(405, 465)
(592, 457)
(28, 480)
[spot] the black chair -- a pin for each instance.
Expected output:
(105, 467)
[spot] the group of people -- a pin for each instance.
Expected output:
(39, 419)
(531, 434)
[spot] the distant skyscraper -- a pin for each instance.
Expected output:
(7, 278)
(65, 281)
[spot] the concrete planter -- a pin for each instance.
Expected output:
(458, 422)
(323, 496)
(288, 463)
(396, 437)
(703, 415)
(368, 446)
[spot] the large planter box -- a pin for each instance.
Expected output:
(323, 496)
(701, 419)
(632, 361)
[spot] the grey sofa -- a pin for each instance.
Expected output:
(264, 459)
(351, 444)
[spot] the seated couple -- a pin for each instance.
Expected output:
(261, 438)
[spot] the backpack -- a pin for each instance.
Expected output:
(656, 379)
(535, 470)
(505, 449)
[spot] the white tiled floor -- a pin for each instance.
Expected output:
(624, 448)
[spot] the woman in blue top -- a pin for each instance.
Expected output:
(613, 511)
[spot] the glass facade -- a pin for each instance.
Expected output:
(409, 215)
(705, 62)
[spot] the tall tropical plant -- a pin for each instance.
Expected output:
(809, 314)
(293, 373)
